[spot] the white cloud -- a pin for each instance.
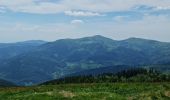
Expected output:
(45, 6)
(154, 27)
(120, 18)
(82, 13)
(163, 8)
(77, 21)
(151, 27)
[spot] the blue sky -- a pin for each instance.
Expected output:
(50, 20)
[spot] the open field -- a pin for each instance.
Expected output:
(115, 91)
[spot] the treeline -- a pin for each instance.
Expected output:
(130, 75)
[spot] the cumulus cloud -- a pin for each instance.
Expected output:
(150, 27)
(120, 18)
(82, 13)
(47, 6)
(154, 26)
(163, 8)
(77, 21)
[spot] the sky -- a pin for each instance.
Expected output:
(51, 20)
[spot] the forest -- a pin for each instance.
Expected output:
(130, 75)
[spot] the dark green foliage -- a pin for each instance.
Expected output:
(96, 71)
(130, 75)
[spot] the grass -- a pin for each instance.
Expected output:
(115, 91)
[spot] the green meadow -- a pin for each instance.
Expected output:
(96, 91)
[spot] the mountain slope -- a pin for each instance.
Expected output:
(56, 59)
(98, 71)
(4, 83)
(9, 50)
(115, 69)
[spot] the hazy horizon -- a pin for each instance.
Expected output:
(50, 20)
(81, 37)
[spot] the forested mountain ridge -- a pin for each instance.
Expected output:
(9, 50)
(128, 75)
(56, 59)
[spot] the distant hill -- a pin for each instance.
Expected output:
(4, 83)
(56, 59)
(9, 50)
(33, 42)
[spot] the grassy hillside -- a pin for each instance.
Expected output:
(116, 91)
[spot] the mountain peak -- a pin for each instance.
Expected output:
(97, 37)
(134, 39)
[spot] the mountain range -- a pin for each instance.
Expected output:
(33, 62)
(5, 83)
(9, 50)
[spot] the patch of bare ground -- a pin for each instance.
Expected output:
(167, 93)
(49, 93)
(67, 94)
(130, 98)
